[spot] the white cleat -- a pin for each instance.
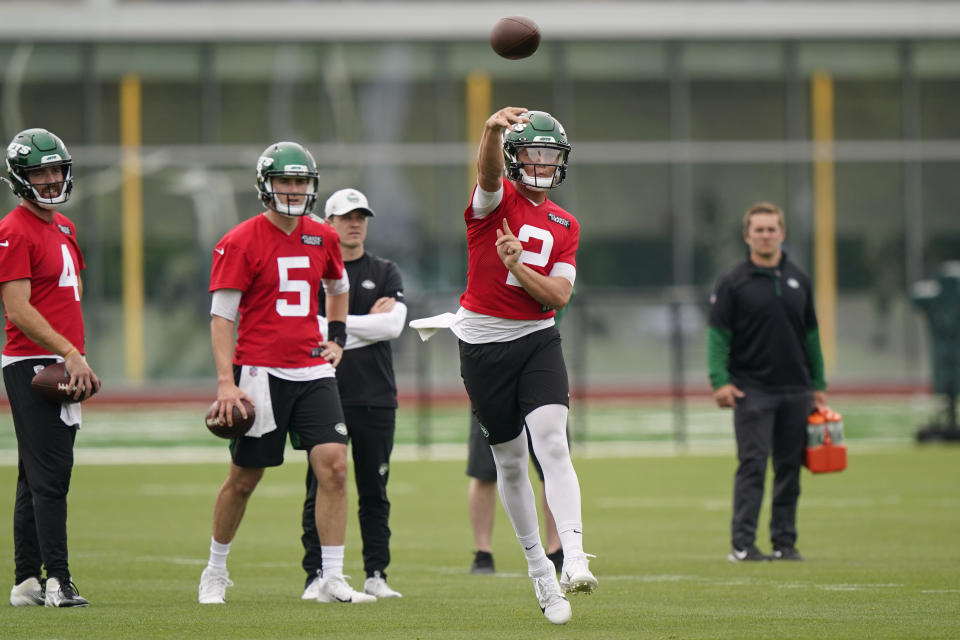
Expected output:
(555, 606)
(377, 586)
(313, 589)
(213, 586)
(336, 589)
(28, 593)
(576, 576)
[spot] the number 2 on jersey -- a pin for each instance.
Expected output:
(68, 277)
(300, 287)
(535, 259)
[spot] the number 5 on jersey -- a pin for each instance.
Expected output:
(288, 285)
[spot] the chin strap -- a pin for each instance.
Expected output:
(533, 182)
(291, 210)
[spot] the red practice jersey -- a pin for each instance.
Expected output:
(549, 235)
(48, 255)
(280, 277)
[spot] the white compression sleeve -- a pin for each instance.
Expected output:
(517, 497)
(486, 201)
(548, 432)
(336, 287)
(378, 326)
(226, 303)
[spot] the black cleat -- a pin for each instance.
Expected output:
(482, 562)
(787, 553)
(63, 594)
(557, 559)
(750, 554)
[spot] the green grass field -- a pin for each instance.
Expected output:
(880, 541)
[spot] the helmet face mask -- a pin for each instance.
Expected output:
(36, 149)
(287, 179)
(530, 146)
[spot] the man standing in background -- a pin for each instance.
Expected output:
(40, 264)
(763, 351)
(368, 391)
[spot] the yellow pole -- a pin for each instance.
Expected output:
(824, 217)
(478, 110)
(130, 139)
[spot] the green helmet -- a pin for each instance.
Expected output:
(545, 143)
(33, 149)
(286, 159)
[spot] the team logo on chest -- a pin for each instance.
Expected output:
(315, 241)
(368, 284)
(561, 221)
(65, 229)
(792, 283)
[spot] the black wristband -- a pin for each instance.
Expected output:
(337, 332)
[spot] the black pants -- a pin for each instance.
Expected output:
(769, 424)
(45, 462)
(371, 431)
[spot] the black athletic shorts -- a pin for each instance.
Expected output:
(309, 411)
(508, 380)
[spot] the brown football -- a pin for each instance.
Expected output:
(240, 426)
(53, 383)
(515, 37)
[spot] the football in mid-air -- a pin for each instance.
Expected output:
(515, 37)
(53, 383)
(219, 427)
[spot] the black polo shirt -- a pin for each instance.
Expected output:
(766, 317)
(365, 374)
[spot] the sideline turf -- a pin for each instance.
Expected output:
(880, 538)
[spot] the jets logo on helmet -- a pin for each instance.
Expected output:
(290, 160)
(33, 149)
(527, 146)
(17, 148)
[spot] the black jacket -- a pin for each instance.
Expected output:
(365, 374)
(763, 330)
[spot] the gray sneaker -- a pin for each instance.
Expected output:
(313, 588)
(376, 585)
(63, 594)
(28, 593)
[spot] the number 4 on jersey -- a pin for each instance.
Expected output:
(68, 278)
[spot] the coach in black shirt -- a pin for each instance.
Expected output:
(368, 391)
(763, 350)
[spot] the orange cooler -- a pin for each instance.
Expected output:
(825, 449)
